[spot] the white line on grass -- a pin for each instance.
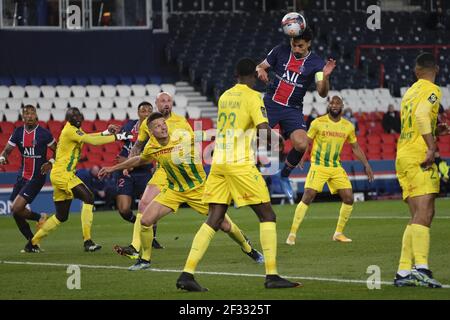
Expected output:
(89, 266)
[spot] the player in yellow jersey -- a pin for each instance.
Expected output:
(175, 153)
(66, 185)
(164, 104)
(234, 176)
(417, 172)
(329, 133)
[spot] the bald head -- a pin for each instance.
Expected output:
(74, 117)
(164, 103)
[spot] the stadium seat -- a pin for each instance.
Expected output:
(14, 104)
(91, 103)
(104, 114)
(44, 114)
(100, 125)
(169, 88)
(106, 102)
(48, 91)
(153, 89)
(29, 101)
(90, 114)
(45, 103)
(112, 148)
(4, 92)
(59, 114)
(87, 126)
(123, 90)
(11, 115)
(33, 92)
(135, 101)
(180, 100)
(193, 112)
(121, 102)
(93, 91)
(54, 126)
(109, 158)
(60, 103)
(138, 90)
(17, 91)
(388, 138)
(108, 91)
(75, 102)
(63, 91)
(120, 114)
(78, 91)
(7, 127)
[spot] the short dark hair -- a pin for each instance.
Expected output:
(307, 35)
(153, 116)
(144, 103)
(426, 60)
(245, 67)
(28, 106)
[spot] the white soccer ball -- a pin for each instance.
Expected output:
(293, 24)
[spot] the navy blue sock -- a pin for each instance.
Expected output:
(292, 160)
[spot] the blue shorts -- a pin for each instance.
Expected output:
(28, 189)
(133, 185)
(289, 119)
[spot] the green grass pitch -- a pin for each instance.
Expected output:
(325, 268)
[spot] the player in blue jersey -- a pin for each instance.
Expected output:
(32, 141)
(296, 67)
(132, 185)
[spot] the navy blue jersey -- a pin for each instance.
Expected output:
(132, 126)
(292, 76)
(33, 147)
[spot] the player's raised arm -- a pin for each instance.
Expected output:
(128, 164)
(322, 78)
(261, 70)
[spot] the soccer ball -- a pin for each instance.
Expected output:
(293, 24)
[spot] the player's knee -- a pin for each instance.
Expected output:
(17, 209)
(300, 144)
(348, 200)
(125, 214)
(225, 225)
(308, 197)
(142, 205)
(146, 221)
(62, 217)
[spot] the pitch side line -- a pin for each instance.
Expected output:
(88, 266)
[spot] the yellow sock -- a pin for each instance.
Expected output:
(87, 215)
(344, 214)
(199, 246)
(146, 237)
(136, 243)
(300, 213)
(48, 226)
(406, 257)
(420, 244)
(238, 236)
(268, 238)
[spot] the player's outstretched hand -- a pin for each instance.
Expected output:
(104, 172)
(124, 136)
(46, 167)
(442, 129)
(262, 75)
(113, 129)
(369, 173)
(329, 67)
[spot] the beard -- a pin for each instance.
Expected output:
(335, 114)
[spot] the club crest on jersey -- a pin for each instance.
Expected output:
(301, 68)
(80, 133)
(432, 98)
(264, 112)
(290, 76)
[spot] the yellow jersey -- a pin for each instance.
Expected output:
(241, 109)
(69, 146)
(420, 100)
(174, 122)
(329, 138)
(178, 159)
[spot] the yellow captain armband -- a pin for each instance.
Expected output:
(319, 76)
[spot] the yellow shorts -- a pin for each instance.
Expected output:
(246, 188)
(336, 178)
(414, 180)
(173, 199)
(159, 178)
(63, 183)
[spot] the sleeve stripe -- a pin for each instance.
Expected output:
(11, 143)
(51, 142)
